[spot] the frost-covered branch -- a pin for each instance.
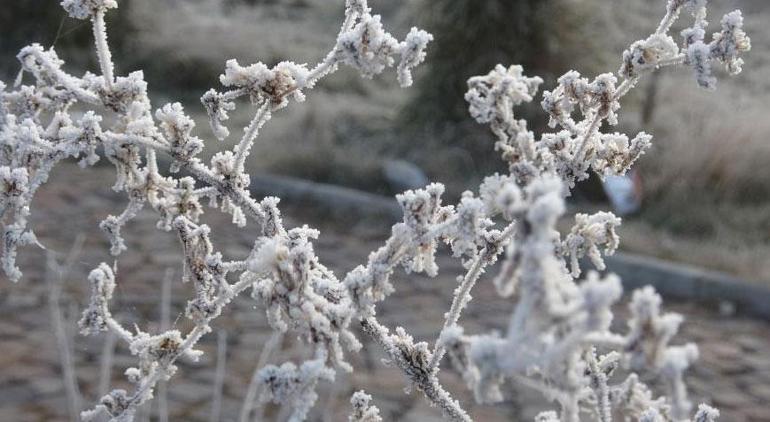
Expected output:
(414, 360)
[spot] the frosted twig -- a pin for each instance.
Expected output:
(250, 134)
(165, 324)
(462, 294)
(413, 362)
(102, 50)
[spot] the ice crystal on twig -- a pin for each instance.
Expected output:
(363, 411)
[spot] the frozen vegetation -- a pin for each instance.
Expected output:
(558, 341)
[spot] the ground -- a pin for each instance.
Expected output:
(733, 373)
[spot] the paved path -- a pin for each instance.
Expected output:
(734, 372)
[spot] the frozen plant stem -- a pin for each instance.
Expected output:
(592, 128)
(421, 377)
(462, 295)
(250, 134)
(102, 49)
(624, 88)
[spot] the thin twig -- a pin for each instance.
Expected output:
(102, 49)
(55, 274)
(250, 134)
(165, 323)
(219, 376)
(595, 124)
(425, 381)
(462, 293)
(105, 370)
(268, 350)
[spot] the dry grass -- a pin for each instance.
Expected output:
(707, 185)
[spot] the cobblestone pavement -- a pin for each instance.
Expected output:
(733, 374)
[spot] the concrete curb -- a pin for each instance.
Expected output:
(338, 200)
(670, 279)
(680, 281)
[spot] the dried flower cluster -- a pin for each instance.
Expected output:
(559, 339)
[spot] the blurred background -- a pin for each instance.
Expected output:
(704, 186)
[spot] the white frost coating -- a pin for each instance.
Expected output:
(97, 314)
(491, 97)
(556, 323)
(412, 54)
(725, 47)
(501, 195)
(615, 153)
(264, 84)
(363, 411)
(367, 47)
(730, 42)
(588, 234)
(698, 55)
(651, 415)
(648, 54)
(549, 416)
(303, 295)
(217, 105)
(706, 414)
(559, 339)
(358, 7)
(295, 386)
(83, 9)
